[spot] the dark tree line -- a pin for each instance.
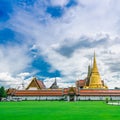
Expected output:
(2, 93)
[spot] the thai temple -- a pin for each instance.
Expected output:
(90, 88)
(93, 79)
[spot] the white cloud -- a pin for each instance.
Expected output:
(14, 59)
(23, 75)
(7, 80)
(96, 20)
(10, 81)
(62, 84)
(59, 2)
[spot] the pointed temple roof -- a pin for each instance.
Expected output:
(88, 76)
(95, 81)
(94, 87)
(95, 69)
(54, 85)
(36, 84)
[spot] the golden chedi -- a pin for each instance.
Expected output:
(94, 80)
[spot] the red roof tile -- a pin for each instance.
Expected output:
(80, 83)
(10, 91)
(46, 92)
(65, 91)
(101, 92)
(41, 84)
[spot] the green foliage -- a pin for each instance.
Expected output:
(106, 99)
(2, 92)
(58, 110)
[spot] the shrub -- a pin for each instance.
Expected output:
(106, 99)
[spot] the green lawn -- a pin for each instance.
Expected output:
(50, 110)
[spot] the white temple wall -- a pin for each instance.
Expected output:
(76, 98)
(38, 97)
(97, 97)
(115, 98)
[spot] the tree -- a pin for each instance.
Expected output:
(2, 93)
(116, 88)
(106, 99)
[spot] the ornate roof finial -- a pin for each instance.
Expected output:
(94, 69)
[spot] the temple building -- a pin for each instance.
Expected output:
(93, 79)
(35, 85)
(54, 85)
(90, 88)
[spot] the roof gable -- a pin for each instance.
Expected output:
(35, 85)
(54, 85)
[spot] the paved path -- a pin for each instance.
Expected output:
(114, 103)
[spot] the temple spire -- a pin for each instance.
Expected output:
(89, 71)
(95, 69)
(88, 75)
(95, 79)
(55, 81)
(54, 85)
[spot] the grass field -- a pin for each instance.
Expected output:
(49, 110)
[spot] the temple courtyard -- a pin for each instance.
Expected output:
(58, 110)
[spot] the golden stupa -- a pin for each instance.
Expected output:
(94, 80)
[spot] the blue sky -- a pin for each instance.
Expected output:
(53, 38)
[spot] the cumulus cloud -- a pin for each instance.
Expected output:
(68, 42)
(59, 2)
(9, 81)
(13, 59)
(23, 75)
(81, 43)
(20, 81)
(62, 84)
